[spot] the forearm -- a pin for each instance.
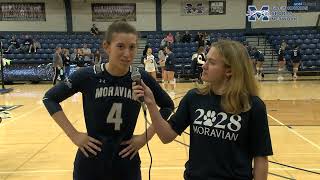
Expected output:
(150, 132)
(62, 120)
(260, 169)
(161, 126)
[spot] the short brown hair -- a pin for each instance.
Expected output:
(119, 26)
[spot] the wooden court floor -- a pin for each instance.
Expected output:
(32, 146)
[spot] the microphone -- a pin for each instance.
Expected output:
(136, 77)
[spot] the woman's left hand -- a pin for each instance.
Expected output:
(134, 144)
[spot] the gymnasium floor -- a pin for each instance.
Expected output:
(32, 146)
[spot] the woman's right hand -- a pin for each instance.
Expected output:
(143, 91)
(86, 143)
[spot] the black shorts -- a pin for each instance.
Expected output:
(169, 68)
(105, 166)
(281, 59)
(295, 60)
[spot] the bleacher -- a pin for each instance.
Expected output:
(308, 41)
(183, 51)
(36, 66)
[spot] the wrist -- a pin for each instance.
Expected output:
(72, 134)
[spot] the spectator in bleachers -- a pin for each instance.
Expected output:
(150, 64)
(13, 44)
(36, 44)
(66, 62)
(178, 37)
(198, 59)
(259, 59)
(57, 65)
(97, 57)
(198, 37)
(186, 38)
(164, 42)
(281, 60)
(162, 61)
(170, 38)
(94, 30)
(207, 39)
(27, 44)
(201, 42)
(80, 58)
(295, 58)
(169, 81)
(86, 53)
(73, 55)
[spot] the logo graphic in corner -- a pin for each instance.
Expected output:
(263, 14)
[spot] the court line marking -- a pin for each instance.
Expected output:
(295, 132)
(144, 169)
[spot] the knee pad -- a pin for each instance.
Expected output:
(172, 82)
(280, 69)
(295, 69)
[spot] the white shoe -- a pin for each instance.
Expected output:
(280, 78)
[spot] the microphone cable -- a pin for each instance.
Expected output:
(144, 108)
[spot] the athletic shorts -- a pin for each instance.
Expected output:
(106, 166)
(295, 60)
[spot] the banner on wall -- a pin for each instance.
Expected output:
(194, 7)
(108, 12)
(22, 12)
(217, 7)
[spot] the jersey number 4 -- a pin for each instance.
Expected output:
(114, 115)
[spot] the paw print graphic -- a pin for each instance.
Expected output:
(209, 118)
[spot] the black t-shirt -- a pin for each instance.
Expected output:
(295, 54)
(222, 145)
(66, 60)
(27, 42)
(14, 43)
(258, 56)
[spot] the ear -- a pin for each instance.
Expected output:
(106, 46)
(228, 72)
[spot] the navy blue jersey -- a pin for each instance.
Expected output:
(170, 61)
(280, 54)
(222, 145)
(258, 55)
(295, 54)
(108, 105)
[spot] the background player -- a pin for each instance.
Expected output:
(259, 57)
(281, 60)
(296, 58)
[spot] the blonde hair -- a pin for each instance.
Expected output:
(242, 84)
